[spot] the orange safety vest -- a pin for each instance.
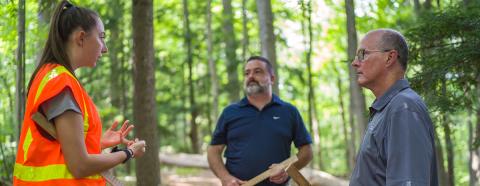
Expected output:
(39, 159)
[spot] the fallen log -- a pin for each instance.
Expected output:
(315, 177)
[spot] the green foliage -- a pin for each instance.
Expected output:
(443, 68)
(444, 57)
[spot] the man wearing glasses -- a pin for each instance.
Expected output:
(398, 147)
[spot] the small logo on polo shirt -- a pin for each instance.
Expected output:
(276, 117)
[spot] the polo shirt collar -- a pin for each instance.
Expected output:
(381, 102)
(275, 100)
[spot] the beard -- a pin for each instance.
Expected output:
(254, 87)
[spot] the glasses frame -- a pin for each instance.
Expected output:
(360, 55)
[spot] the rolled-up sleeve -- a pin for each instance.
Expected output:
(409, 149)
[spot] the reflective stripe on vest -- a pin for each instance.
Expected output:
(44, 173)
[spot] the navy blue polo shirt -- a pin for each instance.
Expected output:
(398, 147)
(256, 139)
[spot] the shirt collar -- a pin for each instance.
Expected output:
(381, 102)
(275, 100)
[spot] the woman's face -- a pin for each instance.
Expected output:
(93, 46)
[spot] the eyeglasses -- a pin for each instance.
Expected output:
(362, 52)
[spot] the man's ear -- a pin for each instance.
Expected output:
(273, 78)
(392, 58)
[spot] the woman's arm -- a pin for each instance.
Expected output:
(69, 127)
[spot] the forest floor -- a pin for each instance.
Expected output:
(184, 177)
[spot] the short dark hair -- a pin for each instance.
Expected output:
(262, 59)
(392, 39)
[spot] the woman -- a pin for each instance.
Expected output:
(73, 156)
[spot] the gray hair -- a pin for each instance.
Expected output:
(392, 39)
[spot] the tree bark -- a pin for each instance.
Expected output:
(267, 37)
(475, 149)
(145, 111)
(115, 48)
(245, 38)
(230, 48)
(357, 99)
(350, 149)
(417, 6)
(312, 111)
(214, 90)
(191, 91)
(450, 154)
(448, 142)
(20, 87)
(442, 174)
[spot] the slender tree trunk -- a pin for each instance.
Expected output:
(145, 111)
(442, 173)
(450, 154)
(212, 66)
(428, 4)
(267, 37)
(20, 87)
(230, 48)
(115, 48)
(471, 152)
(448, 142)
(245, 38)
(357, 99)
(312, 111)
(193, 108)
(475, 150)
(417, 6)
(350, 149)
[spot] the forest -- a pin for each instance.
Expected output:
(173, 65)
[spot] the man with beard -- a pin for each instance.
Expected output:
(257, 131)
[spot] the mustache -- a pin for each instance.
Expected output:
(253, 81)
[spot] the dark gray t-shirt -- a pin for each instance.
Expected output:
(398, 147)
(57, 105)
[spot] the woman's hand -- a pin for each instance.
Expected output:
(112, 138)
(138, 147)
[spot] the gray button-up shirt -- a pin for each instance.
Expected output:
(398, 147)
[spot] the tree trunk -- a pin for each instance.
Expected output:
(450, 154)
(350, 149)
(448, 142)
(115, 48)
(212, 66)
(475, 150)
(191, 96)
(267, 37)
(245, 38)
(312, 111)
(428, 4)
(357, 99)
(117, 73)
(471, 152)
(442, 174)
(20, 87)
(417, 6)
(230, 48)
(145, 111)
